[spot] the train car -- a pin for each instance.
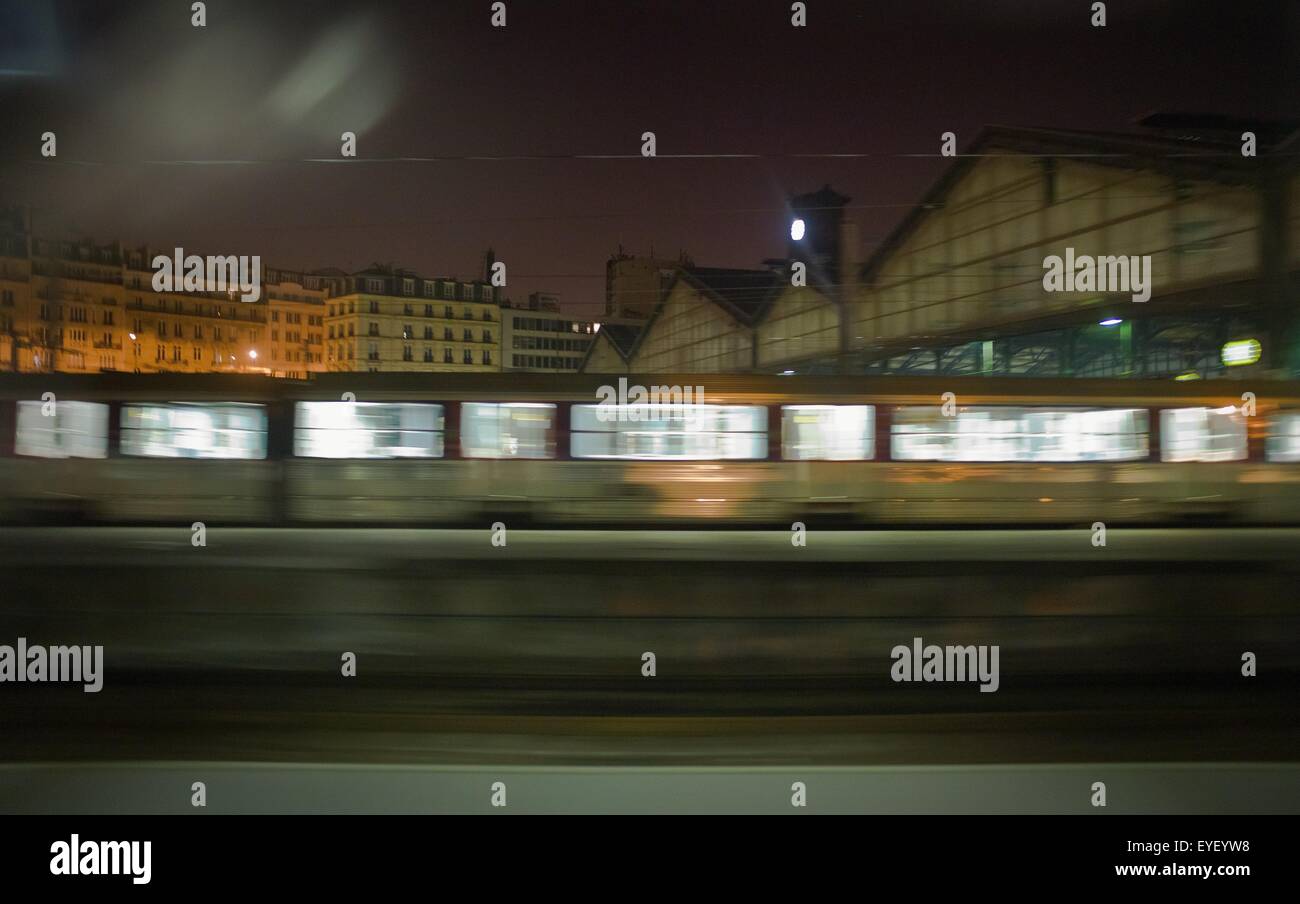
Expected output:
(396, 449)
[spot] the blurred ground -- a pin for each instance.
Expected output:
(766, 653)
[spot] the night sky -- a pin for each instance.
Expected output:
(275, 84)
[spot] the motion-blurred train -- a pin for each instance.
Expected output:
(396, 449)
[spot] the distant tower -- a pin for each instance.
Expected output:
(815, 228)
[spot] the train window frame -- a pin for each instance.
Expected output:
(869, 431)
(552, 441)
(1288, 457)
(125, 431)
(1136, 456)
(760, 450)
(103, 408)
(1229, 411)
(438, 431)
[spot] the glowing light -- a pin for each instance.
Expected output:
(252, 353)
(797, 230)
(1111, 321)
(132, 335)
(1239, 352)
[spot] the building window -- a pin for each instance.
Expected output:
(374, 352)
(428, 355)
(374, 329)
(406, 331)
(487, 335)
(408, 288)
(446, 356)
(468, 357)
(406, 353)
(487, 356)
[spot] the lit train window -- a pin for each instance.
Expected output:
(507, 430)
(194, 430)
(923, 433)
(368, 430)
(669, 432)
(1202, 434)
(828, 432)
(70, 430)
(1284, 437)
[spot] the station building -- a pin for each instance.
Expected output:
(957, 287)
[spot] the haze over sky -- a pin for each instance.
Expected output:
(267, 87)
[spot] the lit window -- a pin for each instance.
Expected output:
(828, 432)
(507, 430)
(1202, 434)
(924, 433)
(71, 430)
(194, 430)
(668, 431)
(1284, 437)
(368, 430)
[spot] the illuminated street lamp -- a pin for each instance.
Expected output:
(797, 229)
(252, 354)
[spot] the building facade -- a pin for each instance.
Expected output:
(82, 307)
(538, 341)
(393, 320)
(958, 287)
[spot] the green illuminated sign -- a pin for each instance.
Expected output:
(1242, 351)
